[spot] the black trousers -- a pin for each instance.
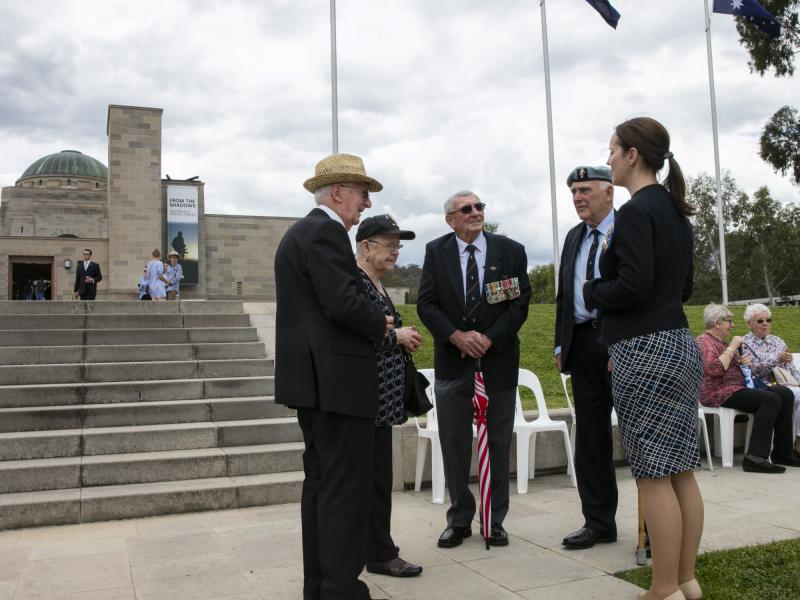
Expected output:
(454, 413)
(338, 465)
(772, 410)
(89, 292)
(380, 545)
(594, 444)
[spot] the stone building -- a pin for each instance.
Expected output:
(68, 201)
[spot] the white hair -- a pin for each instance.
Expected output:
(450, 203)
(753, 309)
(603, 184)
(714, 313)
(322, 193)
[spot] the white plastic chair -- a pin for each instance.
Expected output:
(723, 430)
(796, 359)
(526, 433)
(430, 433)
(701, 422)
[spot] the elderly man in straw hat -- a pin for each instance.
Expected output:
(326, 334)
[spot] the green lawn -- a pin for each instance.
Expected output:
(536, 339)
(768, 572)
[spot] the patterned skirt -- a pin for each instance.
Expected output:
(655, 381)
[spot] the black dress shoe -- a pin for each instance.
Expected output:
(397, 567)
(453, 536)
(499, 536)
(760, 466)
(786, 461)
(587, 537)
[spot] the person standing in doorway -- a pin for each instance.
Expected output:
(87, 276)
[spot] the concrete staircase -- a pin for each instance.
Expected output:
(113, 410)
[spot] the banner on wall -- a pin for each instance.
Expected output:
(182, 230)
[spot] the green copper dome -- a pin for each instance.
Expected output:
(67, 162)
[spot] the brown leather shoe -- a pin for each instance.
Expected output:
(397, 567)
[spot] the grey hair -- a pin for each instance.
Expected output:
(451, 201)
(322, 193)
(714, 313)
(604, 184)
(753, 309)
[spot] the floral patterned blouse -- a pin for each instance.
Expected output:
(718, 383)
(391, 369)
(765, 352)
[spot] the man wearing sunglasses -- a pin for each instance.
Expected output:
(87, 276)
(473, 297)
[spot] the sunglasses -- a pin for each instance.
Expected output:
(762, 321)
(467, 208)
(364, 193)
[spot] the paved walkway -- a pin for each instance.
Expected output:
(254, 554)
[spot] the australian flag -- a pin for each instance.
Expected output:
(608, 12)
(752, 11)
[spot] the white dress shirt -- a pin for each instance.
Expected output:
(480, 259)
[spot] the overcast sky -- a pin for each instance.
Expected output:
(436, 96)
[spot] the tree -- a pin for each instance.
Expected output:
(780, 142)
(492, 227)
(767, 53)
(543, 285)
(701, 191)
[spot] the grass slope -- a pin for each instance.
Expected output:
(767, 572)
(536, 342)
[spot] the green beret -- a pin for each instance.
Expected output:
(589, 174)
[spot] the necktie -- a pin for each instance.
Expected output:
(473, 296)
(592, 254)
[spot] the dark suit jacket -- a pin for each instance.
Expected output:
(440, 305)
(565, 297)
(81, 287)
(646, 270)
(326, 327)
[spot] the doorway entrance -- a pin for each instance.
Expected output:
(31, 278)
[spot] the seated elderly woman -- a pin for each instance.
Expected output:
(723, 385)
(768, 351)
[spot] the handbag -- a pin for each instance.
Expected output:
(415, 398)
(783, 376)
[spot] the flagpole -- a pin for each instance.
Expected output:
(553, 205)
(334, 77)
(723, 270)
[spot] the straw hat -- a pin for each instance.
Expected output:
(341, 168)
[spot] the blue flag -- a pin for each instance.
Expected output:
(608, 12)
(752, 11)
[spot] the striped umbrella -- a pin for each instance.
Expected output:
(480, 403)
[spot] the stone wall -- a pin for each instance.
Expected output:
(240, 255)
(134, 193)
(43, 212)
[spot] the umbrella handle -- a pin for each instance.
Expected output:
(477, 364)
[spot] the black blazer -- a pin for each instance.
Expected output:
(326, 327)
(565, 316)
(440, 305)
(646, 270)
(80, 274)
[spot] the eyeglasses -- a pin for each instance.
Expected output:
(727, 319)
(364, 193)
(762, 321)
(390, 245)
(87, 254)
(467, 208)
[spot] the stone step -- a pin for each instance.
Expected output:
(122, 321)
(147, 438)
(67, 394)
(52, 355)
(77, 505)
(148, 467)
(18, 307)
(133, 371)
(43, 418)
(103, 337)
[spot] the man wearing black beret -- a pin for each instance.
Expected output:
(579, 353)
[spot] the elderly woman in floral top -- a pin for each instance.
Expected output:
(723, 385)
(767, 352)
